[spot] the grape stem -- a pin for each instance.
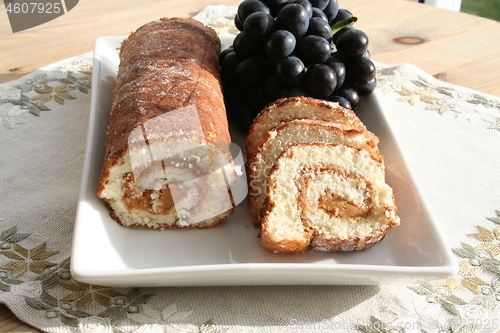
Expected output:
(344, 23)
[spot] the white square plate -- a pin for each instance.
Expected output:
(105, 253)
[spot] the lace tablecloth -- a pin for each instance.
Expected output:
(450, 136)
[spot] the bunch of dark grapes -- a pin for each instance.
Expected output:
(289, 48)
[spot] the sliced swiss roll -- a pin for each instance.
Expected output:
(287, 109)
(168, 160)
(326, 197)
(300, 131)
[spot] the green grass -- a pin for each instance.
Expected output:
(485, 8)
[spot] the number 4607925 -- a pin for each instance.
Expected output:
(33, 8)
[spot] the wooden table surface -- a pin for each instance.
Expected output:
(455, 47)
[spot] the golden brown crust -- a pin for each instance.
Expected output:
(146, 88)
(173, 38)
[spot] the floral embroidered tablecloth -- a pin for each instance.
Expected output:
(450, 136)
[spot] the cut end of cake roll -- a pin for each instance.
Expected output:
(189, 188)
(326, 197)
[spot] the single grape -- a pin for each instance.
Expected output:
(340, 70)
(259, 25)
(290, 71)
(321, 4)
(353, 43)
(350, 94)
(306, 4)
(247, 7)
(313, 49)
(245, 46)
(280, 44)
(367, 88)
(341, 100)
(360, 71)
(294, 18)
(250, 72)
(319, 27)
(342, 14)
(320, 81)
(331, 10)
(338, 33)
(319, 13)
